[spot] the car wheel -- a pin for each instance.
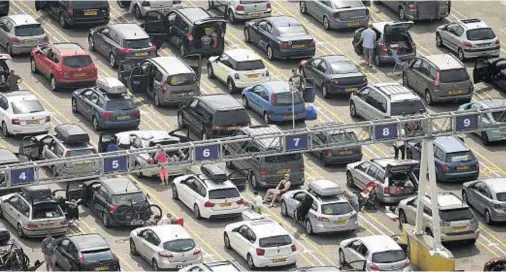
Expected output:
(270, 54)
(303, 8)
(1, 213)
(429, 232)
(402, 14)
(428, 98)
(353, 110)
(484, 138)
(349, 180)
(182, 51)
(342, 260)
(154, 265)
(139, 174)
(377, 60)
(63, 22)
(156, 99)
(326, 23)
(253, 181)
(9, 49)
(5, 130)
(138, 13)
(488, 218)
(230, 86)
(112, 60)
(196, 211)
(460, 54)
(53, 84)
(33, 66)
(180, 122)
(133, 249)
(19, 231)
(231, 17)
(175, 195)
(402, 218)
(95, 123)
(210, 72)
(245, 102)
(91, 44)
(105, 220)
(439, 41)
(309, 227)
(267, 120)
(226, 241)
(405, 80)
(246, 35)
(251, 264)
(284, 209)
(325, 91)
(464, 197)
(74, 105)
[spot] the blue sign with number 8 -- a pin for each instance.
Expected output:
(383, 132)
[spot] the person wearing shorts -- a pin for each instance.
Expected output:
(163, 163)
(368, 40)
(48, 248)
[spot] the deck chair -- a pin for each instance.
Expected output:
(397, 61)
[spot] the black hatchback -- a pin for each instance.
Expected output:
(73, 13)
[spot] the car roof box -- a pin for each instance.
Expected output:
(214, 172)
(72, 133)
(37, 192)
(111, 85)
(325, 188)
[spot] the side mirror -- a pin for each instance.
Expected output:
(235, 230)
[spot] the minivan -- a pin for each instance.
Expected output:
(419, 10)
(266, 171)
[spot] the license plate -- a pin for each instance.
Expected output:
(80, 75)
(83, 164)
(299, 46)
(350, 90)
(256, 14)
(141, 54)
(233, 128)
(455, 92)
(283, 171)
(287, 117)
(32, 42)
(49, 224)
(340, 222)
(90, 13)
(252, 75)
(33, 122)
(278, 260)
(460, 228)
(353, 24)
(102, 268)
(122, 117)
(349, 152)
(465, 167)
(226, 204)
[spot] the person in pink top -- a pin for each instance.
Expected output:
(163, 162)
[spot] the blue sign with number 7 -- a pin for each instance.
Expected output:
(297, 142)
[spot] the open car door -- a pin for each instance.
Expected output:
(182, 133)
(104, 140)
(155, 25)
(195, 62)
(482, 70)
(239, 179)
(303, 208)
(124, 4)
(138, 80)
(124, 71)
(359, 49)
(30, 147)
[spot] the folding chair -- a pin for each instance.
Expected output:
(397, 61)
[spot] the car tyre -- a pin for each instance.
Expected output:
(210, 72)
(112, 60)
(74, 106)
(105, 220)
(342, 259)
(133, 249)
(5, 130)
(309, 227)
(231, 17)
(180, 122)
(303, 7)
(226, 241)
(349, 179)
(247, 37)
(33, 66)
(353, 110)
(156, 100)
(95, 123)
(196, 211)
(1, 213)
(284, 209)
(9, 49)
(402, 218)
(405, 80)
(138, 13)
(182, 50)
(270, 54)
(326, 23)
(377, 60)
(154, 265)
(439, 41)
(19, 231)
(231, 86)
(245, 102)
(251, 264)
(428, 98)
(91, 44)
(63, 22)
(54, 85)
(267, 119)
(460, 54)
(402, 14)
(464, 197)
(175, 194)
(488, 218)
(325, 91)
(138, 174)
(484, 138)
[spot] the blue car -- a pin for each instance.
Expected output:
(273, 101)
(493, 135)
(107, 105)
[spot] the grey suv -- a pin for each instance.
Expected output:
(266, 171)
(438, 78)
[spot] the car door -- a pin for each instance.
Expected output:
(150, 246)
(360, 174)
(4, 108)
(360, 101)
(453, 35)
(481, 196)
(141, 243)
(62, 254)
(100, 40)
(83, 102)
(293, 202)
(320, 9)
(100, 199)
(359, 49)
(319, 73)
(310, 69)
(186, 192)
(45, 61)
(242, 242)
(412, 73)
(189, 116)
(355, 251)
(5, 28)
(10, 209)
(222, 67)
(263, 32)
(410, 211)
(254, 97)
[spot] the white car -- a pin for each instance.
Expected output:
(209, 196)
(238, 68)
(22, 113)
(165, 246)
(243, 9)
(261, 242)
(379, 252)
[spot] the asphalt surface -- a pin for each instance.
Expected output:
(313, 250)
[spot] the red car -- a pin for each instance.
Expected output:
(64, 64)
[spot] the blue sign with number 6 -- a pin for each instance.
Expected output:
(466, 122)
(383, 132)
(207, 153)
(296, 142)
(22, 176)
(115, 164)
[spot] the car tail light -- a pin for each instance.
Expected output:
(263, 171)
(239, 8)
(209, 204)
(115, 256)
(240, 202)
(136, 113)
(48, 119)
(112, 208)
(260, 252)
(497, 41)
(15, 39)
(107, 115)
(436, 81)
(70, 11)
(145, 3)
(66, 154)
(15, 121)
(413, 45)
(81, 257)
(266, 73)
(301, 167)
(294, 248)
(215, 127)
(383, 47)
(190, 37)
(152, 48)
(125, 50)
(273, 100)
(322, 219)
(150, 161)
(374, 267)
(329, 152)
(32, 226)
(406, 264)
(412, 6)
(236, 76)
(197, 251)
(268, 5)
(386, 190)
(334, 81)
(165, 254)
(46, 38)
(164, 86)
(444, 167)
(444, 223)
(283, 45)
(467, 44)
(312, 44)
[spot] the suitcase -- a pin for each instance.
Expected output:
(311, 113)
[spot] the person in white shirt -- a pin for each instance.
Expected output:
(368, 40)
(167, 219)
(400, 146)
(258, 203)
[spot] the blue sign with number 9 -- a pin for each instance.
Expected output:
(115, 164)
(466, 122)
(207, 153)
(296, 142)
(383, 132)
(22, 176)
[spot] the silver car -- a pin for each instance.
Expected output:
(337, 14)
(20, 33)
(488, 197)
(243, 9)
(469, 38)
(141, 8)
(321, 208)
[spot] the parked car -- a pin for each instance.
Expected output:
(141, 8)
(273, 101)
(281, 37)
(238, 68)
(391, 36)
(76, 13)
(213, 116)
(165, 246)
(85, 252)
(337, 14)
(64, 64)
(454, 160)
(491, 70)
(469, 38)
(458, 222)
(488, 197)
(214, 266)
(236, 10)
(5, 235)
(107, 105)
(334, 74)
(7, 157)
(262, 243)
(438, 78)
(33, 212)
(22, 113)
(20, 33)
(192, 29)
(419, 10)
(4, 7)
(498, 117)
(340, 155)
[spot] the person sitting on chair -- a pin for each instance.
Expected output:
(283, 187)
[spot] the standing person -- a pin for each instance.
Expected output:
(48, 248)
(13, 80)
(400, 146)
(258, 204)
(296, 80)
(368, 40)
(73, 211)
(283, 186)
(163, 163)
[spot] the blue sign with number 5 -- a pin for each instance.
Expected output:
(22, 176)
(207, 153)
(116, 164)
(296, 142)
(383, 132)
(466, 122)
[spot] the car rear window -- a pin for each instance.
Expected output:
(88, 4)
(499, 116)
(391, 256)
(286, 31)
(126, 198)
(224, 193)
(348, 3)
(120, 104)
(180, 245)
(286, 99)
(138, 43)
(337, 208)
(26, 106)
(407, 107)
(231, 117)
(46, 210)
(343, 67)
(343, 137)
(456, 214)
(501, 196)
(81, 152)
(249, 65)
(480, 34)
(454, 75)
(283, 158)
(460, 156)
(182, 79)
(245, 2)
(77, 61)
(97, 255)
(28, 30)
(275, 241)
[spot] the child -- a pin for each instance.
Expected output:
(258, 203)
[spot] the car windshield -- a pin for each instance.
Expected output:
(275, 241)
(77, 61)
(499, 116)
(80, 152)
(224, 193)
(120, 104)
(295, 30)
(338, 208)
(180, 245)
(88, 4)
(286, 98)
(460, 156)
(138, 44)
(407, 107)
(46, 211)
(454, 75)
(283, 158)
(456, 214)
(97, 255)
(391, 256)
(480, 34)
(126, 198)
(249, 65)
(182, 79)
(348, 3)
(238, 117)
(501, 197)
(343, 67)
(28, 30)
(26, 106)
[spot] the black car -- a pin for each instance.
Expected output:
(334, 74)
(192, 30)
(4, 7)
(282, 37)
(85, 252)
(213, 116)
(121, 42)
(492, 70)
(73, 13)
(341, 155)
